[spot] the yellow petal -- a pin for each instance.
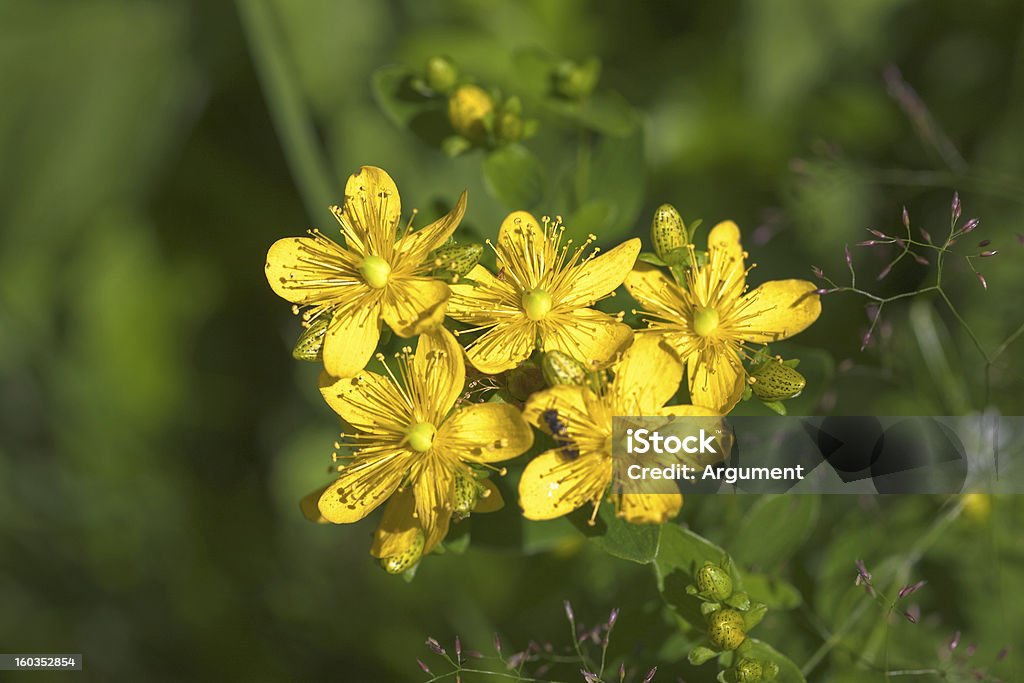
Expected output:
(413, 305)
(654, 290)
(553, 485)
(308, 505)
(306, 270)
(727, 271)
(435, 491)
(362, 486)
(485, 432)
(398, 528)
(601, 275)
(522, 227)
(726, 236)
(502, 347)
(778, 310)
(415, 246)
(351, 340)
(649, 508)
(715, 379)
(647, 376)
(439, 367)
(491, 500)
(589, 336)
(369, 402)
(569, 400)
(373, 207)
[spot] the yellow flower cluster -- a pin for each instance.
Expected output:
(419, 444)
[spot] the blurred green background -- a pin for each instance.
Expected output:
(155, 434)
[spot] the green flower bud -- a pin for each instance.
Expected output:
(774, 381)
(310, 345)
(467, 492)
(769, 671)
(441, 74)
(456, 259)
(668, 233)
(714, 581)
(749, 671)
(726, 629)
(468, 108)
(407, 559)
(509, 127)
(576, 81)
(561, 368)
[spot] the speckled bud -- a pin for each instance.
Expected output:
(726, 629)
(714, 581)
(407, 559)
(310, 345)
(774, 381)
(561, 368)
(668, 232)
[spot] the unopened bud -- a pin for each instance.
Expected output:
(456, 259)
(926, 235)
(749, 671)
(986, 254)
(396, 564)
(726, 629)
(955, 207)
(576, 81)
(508, 127)
(714, 581)
(774, 381)
(559, 367)
(668, 232)
(818, 272)
(310, 344)
(468, 107)
(982, 280)
(441, 74)
(846, 254)
(906, 218)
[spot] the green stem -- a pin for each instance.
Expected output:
(288, 108)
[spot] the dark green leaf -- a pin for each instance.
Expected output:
(788, 671)
(617, 537)
(773, 529)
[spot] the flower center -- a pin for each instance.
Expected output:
(376, 271)
(705, 321)
(420, 436)
(537, 304)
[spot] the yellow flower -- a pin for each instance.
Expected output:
(378, 274)
(408, 438)
(562, 479)
(709, 320)
(540, 297)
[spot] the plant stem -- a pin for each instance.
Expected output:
(288, 108)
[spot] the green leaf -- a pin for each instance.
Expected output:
(789, 672)
(617, 537)
(650, 257)
(775, 406)
(514, 176)
(680, 553)
(773, 529)
(772, 591)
